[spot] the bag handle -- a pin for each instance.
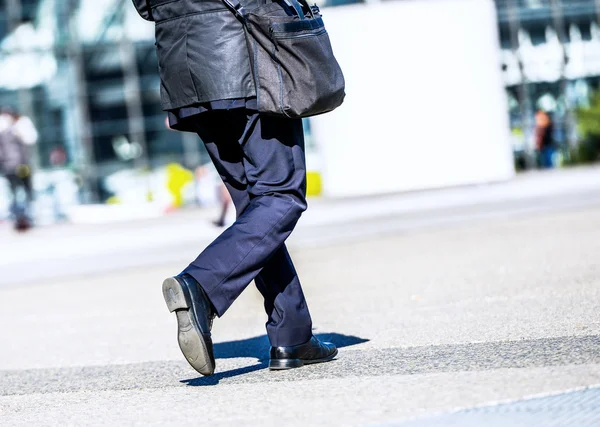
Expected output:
(308, 7)
(297, 7)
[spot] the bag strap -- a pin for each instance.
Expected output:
(237, 8)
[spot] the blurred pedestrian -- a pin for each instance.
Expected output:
(58, 161)
(207, 88)
(224, 203)
(17, 133)
(544, 129)
(210, 190)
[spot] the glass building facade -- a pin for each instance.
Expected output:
(551, 62)
(85, 72)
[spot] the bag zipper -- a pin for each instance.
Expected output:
(297, 36)
(187, 15)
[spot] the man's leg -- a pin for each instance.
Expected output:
(289, 322)
(263, 168)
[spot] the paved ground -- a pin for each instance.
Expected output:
(474, 298)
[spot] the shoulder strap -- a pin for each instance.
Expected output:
(237, 8)
(144, 9)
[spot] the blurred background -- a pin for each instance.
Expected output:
(446, 93)
(450, 249)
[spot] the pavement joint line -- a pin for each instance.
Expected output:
(560, 351)
(492, 404)
(580, 406)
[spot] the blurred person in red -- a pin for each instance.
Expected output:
(207, 88)
(544, 143)
(17, 134)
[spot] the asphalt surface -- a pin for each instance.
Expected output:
(445, 314)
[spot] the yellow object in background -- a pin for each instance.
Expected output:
(314, 185)
(113, 200)
(23, 171)
(177, 178)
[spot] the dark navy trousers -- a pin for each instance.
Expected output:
(261, 161)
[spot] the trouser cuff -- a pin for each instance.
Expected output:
(286, 337)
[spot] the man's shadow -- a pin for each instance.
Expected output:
(258, 347)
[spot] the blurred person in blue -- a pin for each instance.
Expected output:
(17, 134)
(58, 161)
(207, 88)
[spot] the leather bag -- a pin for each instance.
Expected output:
(294, 69)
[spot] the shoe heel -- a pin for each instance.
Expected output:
(174, 295)
(281, 364)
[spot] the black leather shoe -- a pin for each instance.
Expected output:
(195, 314)
(313, 351)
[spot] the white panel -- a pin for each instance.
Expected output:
(425, 104)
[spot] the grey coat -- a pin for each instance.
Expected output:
(202, 52)
(13, 153)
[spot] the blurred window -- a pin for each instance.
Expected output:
(333, 3)
(535, 3)
(537, 34)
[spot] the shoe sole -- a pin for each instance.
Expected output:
(283, 364)
(192, 343)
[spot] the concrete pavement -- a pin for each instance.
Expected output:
(460, 305)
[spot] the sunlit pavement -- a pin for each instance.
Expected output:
(451, 305)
